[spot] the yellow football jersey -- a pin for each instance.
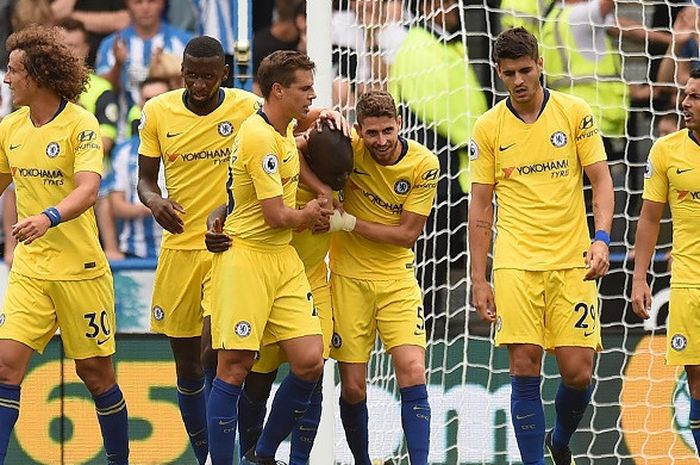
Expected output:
(537, 173)
(195, 151)
(264, 165)
(380, 194)
(312, 248)
(43, 162)
(673, 175)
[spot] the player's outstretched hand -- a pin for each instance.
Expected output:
(335, 119)
(597, 261)
(30, 229)
(167, 214)
(482, 299)
(215, 239)
(641, 298)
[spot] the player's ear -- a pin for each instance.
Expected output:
(399, 121)
(224, 76)
(358, 128)
(540, 63)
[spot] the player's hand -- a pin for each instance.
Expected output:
(215, 239)
(120, 50)
(597, 261)
(30, 229)
(482, 299)
(641, 298)
(167, 214)
(335, 119)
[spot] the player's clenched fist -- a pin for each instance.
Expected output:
(482, 299)
(167, 214)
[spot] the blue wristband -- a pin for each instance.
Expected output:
(602, 236)
(54, 215)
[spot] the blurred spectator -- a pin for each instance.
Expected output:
(168, 67)
(182, 14)
(124, 57)
(441, 99)
(99, 17)
(668, 123)
(141, 234)
(28, 12)
(580, 58)
(682, 54)
(282, 34)
(366, 38)
(525, 13)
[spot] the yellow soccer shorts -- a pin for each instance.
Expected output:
(546, 308)
(361, 308)
(83, 310)
(260, 296)
(181, 291)
(272, 356)
(683, 327)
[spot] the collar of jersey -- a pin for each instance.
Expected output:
(510, 106)
(222, 95)
(692, 137)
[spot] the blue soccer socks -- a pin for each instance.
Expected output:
(222, 414)
(527, 416)
(114, 424)
(415, 418)
(570, 405)
(9, 412)
(291, 402)
(193, 408)
(355, 418)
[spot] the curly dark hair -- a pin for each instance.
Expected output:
(49, 61)
(375, 103)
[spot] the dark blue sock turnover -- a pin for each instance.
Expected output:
(355, 418)
(193, 408)
(114, 424)
(290, 404)
(9, 412)
(251, 416)
(527, 416)
(222, 413)
(415, 418)
(570, 405)
(304, 432)
(695, 422)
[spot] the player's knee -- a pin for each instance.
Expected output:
(9, 372)
(577, 380)
(310, 369)
(411, 372)
(353, 392)
(98, 375)
(189, 369)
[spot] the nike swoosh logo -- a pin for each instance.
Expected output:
(522, 417)
(288, 158)
(222, 422)
(99, 343)
(197, 433)
(356, 171)
(14, 146)
(173, 134)
(585, 334)
(678, 170)
(504, 148)
(304, 428)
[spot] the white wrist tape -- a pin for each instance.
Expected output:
(342, 221)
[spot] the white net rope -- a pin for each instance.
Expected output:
(639, 412)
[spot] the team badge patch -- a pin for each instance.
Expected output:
(648, 169)
(336, 340)
(2, 319)
(225, 128)
(558, 139)
(243, 329)
(679, 342)
(142, 122)
(53, 149)
(473, 150)
(499, 324)
(269, 163)
(402, 186)
(158, 313)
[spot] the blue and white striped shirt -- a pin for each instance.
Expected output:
(219, 19)
(135, 70)
(139, 237)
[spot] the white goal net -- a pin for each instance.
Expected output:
(434, 56)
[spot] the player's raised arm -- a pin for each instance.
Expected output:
(597, 257)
